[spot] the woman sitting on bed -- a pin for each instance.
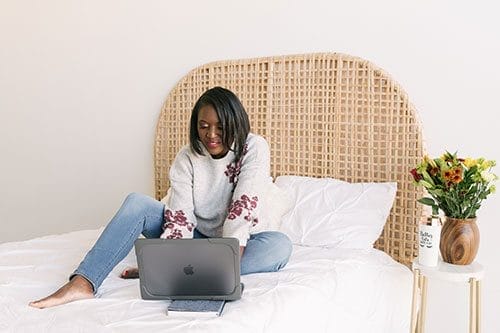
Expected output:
(216, 187)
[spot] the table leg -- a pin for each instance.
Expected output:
(473, 306)
(414, 301)
(478, 306)
(423, 303)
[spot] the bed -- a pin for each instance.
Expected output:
(339, 123)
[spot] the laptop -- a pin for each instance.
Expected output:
(201, 268)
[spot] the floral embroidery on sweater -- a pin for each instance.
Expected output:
(233, 169)
(174, 222)
(246, 204)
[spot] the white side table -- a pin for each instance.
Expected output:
(471, 274)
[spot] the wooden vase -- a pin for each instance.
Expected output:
(459, 241)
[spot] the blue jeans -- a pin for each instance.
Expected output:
(267, 251)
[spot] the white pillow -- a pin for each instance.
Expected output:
(333, 213)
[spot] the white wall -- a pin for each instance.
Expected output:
(82, 83)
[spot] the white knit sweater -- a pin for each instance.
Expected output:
(219, 197)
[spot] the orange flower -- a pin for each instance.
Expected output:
(456, 179)
(447, 174)
(453, 175)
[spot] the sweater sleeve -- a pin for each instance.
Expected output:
(179, 218)
(250, 171)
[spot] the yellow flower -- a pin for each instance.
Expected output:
(470, 162)
(487, 164)
(430, 161)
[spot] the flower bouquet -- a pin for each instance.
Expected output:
(458, 187)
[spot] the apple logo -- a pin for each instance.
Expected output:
(188, 270)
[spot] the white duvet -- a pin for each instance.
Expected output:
(320, 290)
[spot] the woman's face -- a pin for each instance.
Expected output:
(210, 131)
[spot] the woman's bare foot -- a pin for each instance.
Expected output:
(77, 288)
(130, 273)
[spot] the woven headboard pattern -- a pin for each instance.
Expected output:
(324, 115)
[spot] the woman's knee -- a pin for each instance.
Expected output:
(137, 204)
(281, 245)
(267, 251)
(284, 245)
(136, 198)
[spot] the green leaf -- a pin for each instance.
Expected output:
(438, 192)
(427, 201)
(425, 184)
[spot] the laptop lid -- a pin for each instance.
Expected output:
(202, 268)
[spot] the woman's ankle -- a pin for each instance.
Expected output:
(82, 283)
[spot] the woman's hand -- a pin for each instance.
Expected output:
(242, 249)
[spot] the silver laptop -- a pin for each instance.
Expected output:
(202, 268)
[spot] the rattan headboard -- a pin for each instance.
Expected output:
(324, 115)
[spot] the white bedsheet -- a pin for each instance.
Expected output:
(320, 290)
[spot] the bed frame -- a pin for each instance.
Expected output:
(324, 115)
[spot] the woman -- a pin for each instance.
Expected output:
(217, 186)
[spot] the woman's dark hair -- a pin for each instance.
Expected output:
(232, 117)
